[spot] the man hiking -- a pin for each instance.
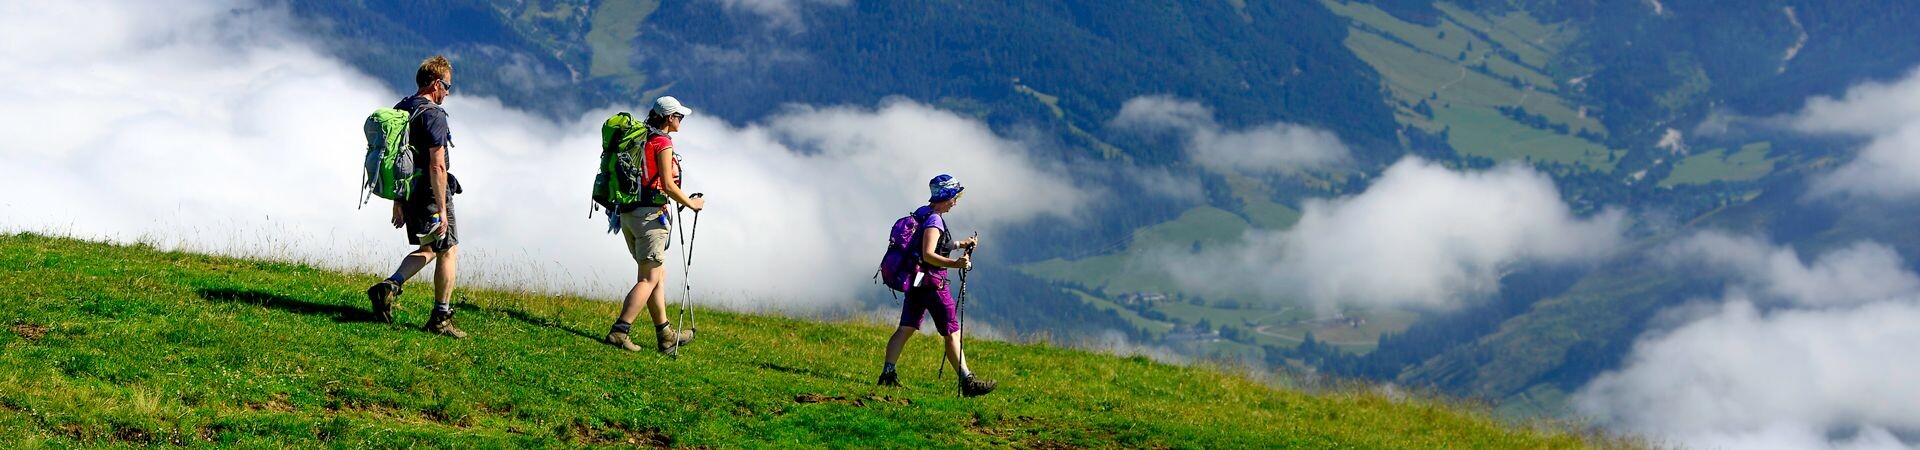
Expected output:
(929, 294)
(427, 214)
(644, 225)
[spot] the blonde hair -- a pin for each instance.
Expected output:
(435, 68)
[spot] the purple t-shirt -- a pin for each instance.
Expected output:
(944, 247)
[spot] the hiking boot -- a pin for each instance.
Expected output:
(973, 387)
(382, 295)
(442, 323)
(670, 339)
(889, 379)
(620, 340)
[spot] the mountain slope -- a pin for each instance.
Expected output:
(113, 345)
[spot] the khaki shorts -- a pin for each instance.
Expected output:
(647, 234)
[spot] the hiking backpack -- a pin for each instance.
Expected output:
(901, 265)
(387, 169)
(622, 183)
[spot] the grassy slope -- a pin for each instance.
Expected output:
(614, 25)
(1115, 273)
(1461, 67)
(1749, 163)
(113, 345)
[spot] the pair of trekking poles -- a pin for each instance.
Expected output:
(686, 263)
(963, 304)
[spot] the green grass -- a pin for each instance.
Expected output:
(1359, 340)
(1217, 315)
(1749, 163)
(1154, 327)
(1424, 63)
(1413, 75)
(615, 24)
(1052, 101)
(114, 346)
(1257, 204)
(1118, 272)
(1534, 42)
(1484, 132)
(1107, 151)
(1543, 400)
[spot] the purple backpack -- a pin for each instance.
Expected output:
(902, 262)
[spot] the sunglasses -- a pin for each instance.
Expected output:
(446, 83)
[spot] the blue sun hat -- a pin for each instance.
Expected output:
(944, 187)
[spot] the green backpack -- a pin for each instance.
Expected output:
(388, 169)
(620, 184)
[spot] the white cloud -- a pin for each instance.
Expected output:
(1823, 368)
(780, 13)
(202, 126)
(1861, 273)
(1888, 116)
(1421, 235)
(1277, 147)
(1867, 109)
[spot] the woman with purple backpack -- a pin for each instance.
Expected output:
(929, 293)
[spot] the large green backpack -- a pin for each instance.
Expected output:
(621, 183)
(388, 169)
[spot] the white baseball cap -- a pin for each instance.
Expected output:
(667, 106)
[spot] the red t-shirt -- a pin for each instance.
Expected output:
(652, 154)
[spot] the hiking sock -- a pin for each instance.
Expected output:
(442, 307)
(662, 326)
(621, 326)
(887, 369)
(967, 375)
(398, 280)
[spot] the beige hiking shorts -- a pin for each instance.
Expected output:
(647, 234)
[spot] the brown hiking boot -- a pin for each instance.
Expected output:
(973, 387)
(670, 340)
(442, 324)
(382, 295)
(889, 378)
(620, 340)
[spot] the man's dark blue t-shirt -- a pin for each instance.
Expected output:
(426, 130)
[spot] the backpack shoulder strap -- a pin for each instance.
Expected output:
(653, 158)
(919, 229)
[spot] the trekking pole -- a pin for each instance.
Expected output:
(686, 263)
(693, 319)
(963, 307)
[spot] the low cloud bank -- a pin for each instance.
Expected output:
(205, 126)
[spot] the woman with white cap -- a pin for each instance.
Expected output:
(929, 294)
(646, 232)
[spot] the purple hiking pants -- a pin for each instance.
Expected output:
(927, 298)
